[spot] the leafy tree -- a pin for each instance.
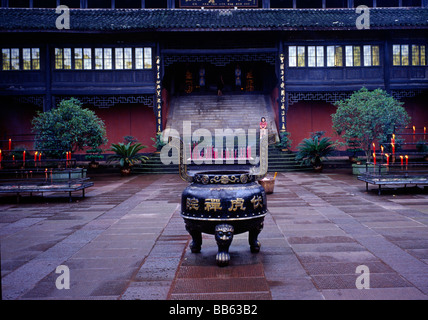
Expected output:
(69, 127)
(368, 116)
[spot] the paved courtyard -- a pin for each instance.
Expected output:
(126, 240)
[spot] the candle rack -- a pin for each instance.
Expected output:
(402, 161)
(28, 171)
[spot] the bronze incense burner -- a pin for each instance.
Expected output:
(224, 203)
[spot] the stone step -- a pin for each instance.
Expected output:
(229, 111)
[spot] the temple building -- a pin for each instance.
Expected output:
(147, 65)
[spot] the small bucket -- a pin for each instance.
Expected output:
(267, 184)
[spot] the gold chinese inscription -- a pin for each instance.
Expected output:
(212, 204)
(192, 204)
(257, 201)
(237, 204)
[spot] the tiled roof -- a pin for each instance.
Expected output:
(204, 20)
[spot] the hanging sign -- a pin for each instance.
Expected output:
(282, 95)
(219, 3)
(158, 104)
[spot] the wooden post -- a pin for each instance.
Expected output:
(47, 104)
(387, 65)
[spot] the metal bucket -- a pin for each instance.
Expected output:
(268, 185)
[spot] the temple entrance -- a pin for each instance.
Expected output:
(236, 77)
(245, 81)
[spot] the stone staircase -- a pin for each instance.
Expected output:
(225, 112)
(279, 161)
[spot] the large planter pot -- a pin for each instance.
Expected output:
(125, 172)
(224, 204)
(93, 165)
(70, 174)
(358, 169)
(318, 168)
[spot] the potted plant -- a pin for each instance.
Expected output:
(367, 117)
(352, 150)
(93, 155)
(422, 147)
(314, 150)
(69, 127)
(284, 141)
(159, 143)
(127, 139)
(127, 155)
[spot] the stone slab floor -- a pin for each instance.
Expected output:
(126, 240)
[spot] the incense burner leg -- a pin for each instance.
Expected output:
(253, 238)
(196, 244)
(224, 237)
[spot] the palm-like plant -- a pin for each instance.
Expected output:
(285, 141)
(127, 154)
(312, 151)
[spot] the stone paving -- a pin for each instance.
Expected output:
(126, 240)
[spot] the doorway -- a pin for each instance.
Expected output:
(232, 78)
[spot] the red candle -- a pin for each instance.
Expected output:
(407, 161)
(387, 159)
(374, 148)
(401, 157)
(0, 155)
(46, 174)
(35, 157)
(425, 132)
(23, 157)
(10, 144)
(393, 148)
(374, 158)
(414, 131)
(381, 150)
(40, 156)
(393, 139)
